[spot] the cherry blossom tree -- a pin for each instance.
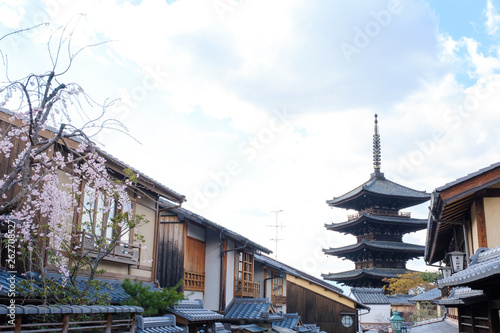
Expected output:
(52, 173)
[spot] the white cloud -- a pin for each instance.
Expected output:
(12, 13)
(492, 18)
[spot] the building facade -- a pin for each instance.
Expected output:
(464, 225)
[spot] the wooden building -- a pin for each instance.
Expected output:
(314, 300)
(464, 218)
(379, 226)
(215, 263)
(131, 258)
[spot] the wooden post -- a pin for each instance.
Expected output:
(109, 322)
(19, 322)
(132, 322)
(65, 322)
(481, 223)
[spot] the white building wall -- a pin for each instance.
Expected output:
(212, 270)
(379, 313)
(230, 273)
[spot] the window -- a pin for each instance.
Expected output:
(347, 321)
(277, 284)
(245, 266)
(96, 219)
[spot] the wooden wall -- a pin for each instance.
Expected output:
(171, 245)
(316, 309)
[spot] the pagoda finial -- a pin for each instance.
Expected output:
(376, 148)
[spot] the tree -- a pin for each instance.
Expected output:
(154, 302)
(50, 167)
(409, 283)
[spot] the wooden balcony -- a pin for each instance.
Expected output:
(243, 288)
(383, 212)
(194, 281)
(123, 252)
(278, 299)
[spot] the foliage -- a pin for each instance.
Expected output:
(430, 276)
(409, 283)
(426, 311)
(56, 173)
(154, 302)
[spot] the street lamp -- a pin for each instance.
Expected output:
(396, 322)
(457, 260)
(445, 271)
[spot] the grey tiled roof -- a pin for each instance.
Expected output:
(463, 295)
(295, 272)
(381, 186)
(411, 249)
(194, 311)
(370, 295)
(203, 221)
(429, 295)
(488, 265)
(70, 309)
(250, 309)
(290, 321)
(442, 326)
(164, 324)
(113, 288)
(399, 220)
(375, 272)
(399, 299)
(469, 176)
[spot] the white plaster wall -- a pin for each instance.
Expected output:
(230, 273)
(259, 277)
(212, 270)
(193, 295)
(379, 313)
(196, 232)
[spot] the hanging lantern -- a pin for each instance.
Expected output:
(457, 260)
(445, 271)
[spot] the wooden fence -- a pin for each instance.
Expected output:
(66, 318)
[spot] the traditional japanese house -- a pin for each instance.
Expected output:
(377, 317)
(318, 302)
(379, 226)
(215, 264)
(464, 234)
(130, 257)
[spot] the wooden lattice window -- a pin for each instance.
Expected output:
(276, 285)
(245, 266)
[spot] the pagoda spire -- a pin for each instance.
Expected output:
(376, 149)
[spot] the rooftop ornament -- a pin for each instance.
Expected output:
(376, 149)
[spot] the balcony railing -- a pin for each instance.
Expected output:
(243, 288)
(194, 281)
(278, 299)
(123, 252)
(384, 212)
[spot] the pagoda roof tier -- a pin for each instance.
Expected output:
(402, 223)
(365, 277)
(401, 249)
(379, 192)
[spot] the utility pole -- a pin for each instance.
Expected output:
(276, 226)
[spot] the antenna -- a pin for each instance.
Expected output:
(276, 226)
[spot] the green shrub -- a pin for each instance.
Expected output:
(155, 303)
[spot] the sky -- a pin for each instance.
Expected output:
(258, 111)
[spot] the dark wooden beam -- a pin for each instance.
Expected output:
(481, 223)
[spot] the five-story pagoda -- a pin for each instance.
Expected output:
(379, 226)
